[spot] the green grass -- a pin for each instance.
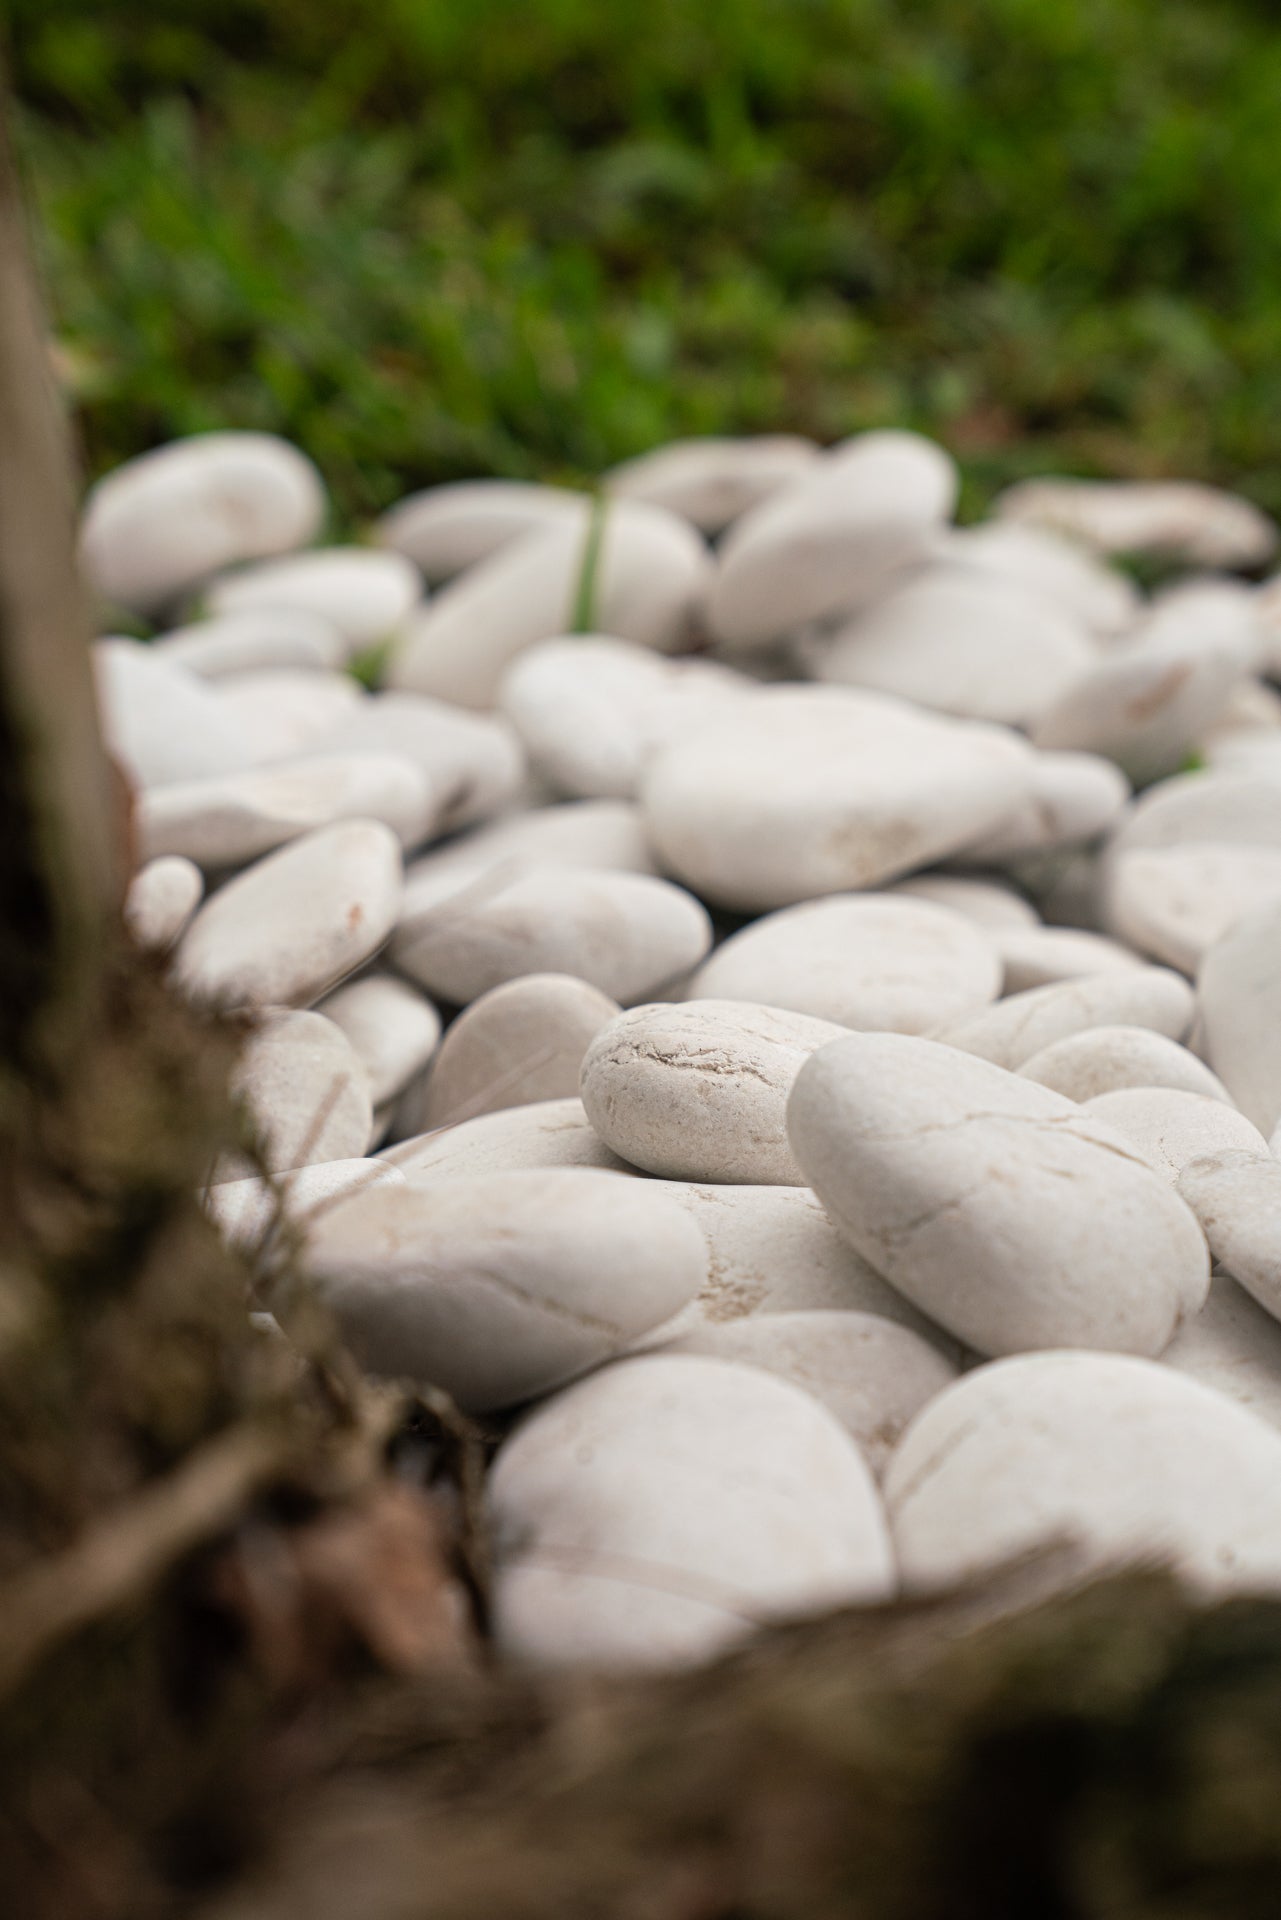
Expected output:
(429, 238)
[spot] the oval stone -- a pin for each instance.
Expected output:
(1105, 1059)
(1001, 1209)
(518, 1044)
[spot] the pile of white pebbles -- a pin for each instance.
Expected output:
(803, 1058)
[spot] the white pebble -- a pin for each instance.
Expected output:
(161, 899)
(1013, 1030)
(162, 723)
(444, 530)
(1239, 990)
(367, 595)
(1237, 1199)
(306, 1091)
(552, 1133)
(1001, 1209)
(1105, 1059)
(393, 1028)
(254, 643)
(1172, 1128)
(660, 1510)
(712, 481)
(518, 1044)
(1176, 519)
(296, 923)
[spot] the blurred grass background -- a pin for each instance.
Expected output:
(532, 237)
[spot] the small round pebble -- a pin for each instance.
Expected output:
(392, 1027)
(520, 1043)
(861, 960)
(296, 923)
(1237, 1198)
(161, 899)
(1105, 1059)
(1014, 1029)
(1172, 1128)
(501, 1286)
(658, 1511)
(699, 1091)
(306, 1091)
(552, 1133)
(1239, 993)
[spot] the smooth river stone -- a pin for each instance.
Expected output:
(1106, 1059)
(553, 1133)
(874, 1376)
(500, 1286)
(1102, 598)
(247, 1213)
(162, 723)
(445, 530)
(1042, 956)
(474, 760)
(961, 643)
(1194, 855)
(802, 791)
(650, 574)
(1069, 799)
(158, 525)
(712, 481)
(625, 934)
(699, 1091)
(990, 904)
(593, 711)
(161, 899)
(833, 538)
(367, 595)
(1127, 1460)
(596, 836)
(662, 1509)
(1149, 699)
(1172, 1128)
(1233, 1346)
(286, 712)
(296, 923)
(1175, 519)
(253, 642)
(519, 1044)
(861, 960)
(1237, 1199)
(225, 822)
(1013, 1030)
(306, 1091)
(773, 1249)
(1239, 991)
(392, 1027)
(1004, 1211)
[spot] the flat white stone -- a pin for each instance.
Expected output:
(1172, 1128)
(521, 1043)
(503, 1285)
(802, 791)
(296, 923)
(1179, 519)
(1106, 1059)
(712, 481)
(699, 1091)
(1042, 956)
(247, 1213)
(874, 1376)
(553, 1133)
(474, 759)
(773, 1249)
(992, 1203)
(1233, 1346)
(596, 836)
(225, 822)
(1194, 855)
(963, 643)
(833, 538)
(861, 960)
(1013, 1030)
(1237, 1199)
(1106, 601)
(650, 573)
(593, 711)
(161, 899)
(306, 1092)
(286, 712)
(162, 723)
(1151, 697)
(365, 593)
(160, 524)
(624, 933)
(1239, 993)
(1127, 1460)
(253, 643)
(444, 530)
(1068, 799)
(990, 904)
(392, 1027)
(663, 1508)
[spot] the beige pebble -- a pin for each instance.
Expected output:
(518, 1044)
(1105, 1059)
